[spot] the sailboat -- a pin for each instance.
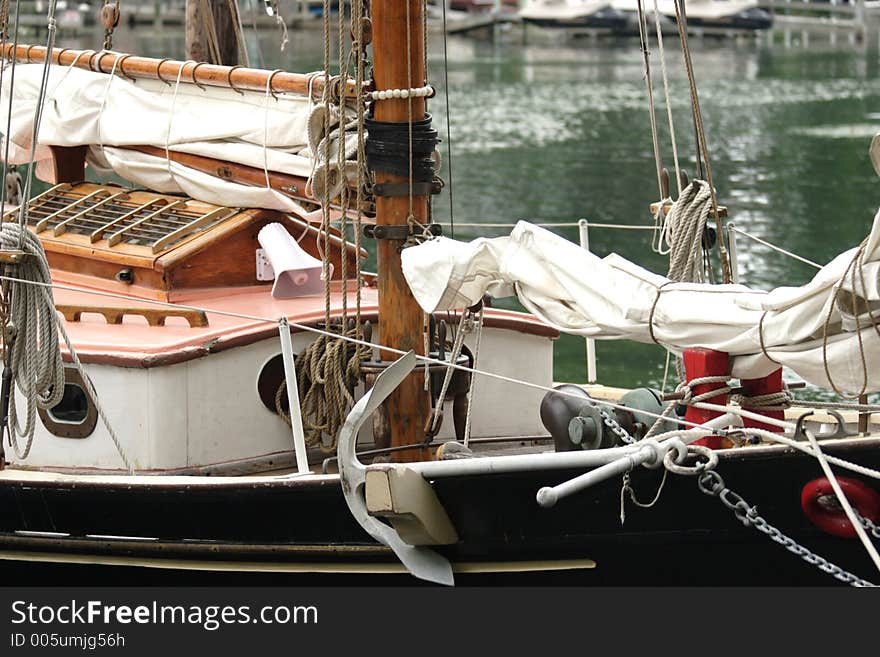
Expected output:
(232, 392)
(703, 16)
(588, 14)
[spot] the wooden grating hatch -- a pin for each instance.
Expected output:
(119, 216)
(153, 245)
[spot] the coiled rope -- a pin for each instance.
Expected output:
(327, 372)
(683, 232)
(35, 357)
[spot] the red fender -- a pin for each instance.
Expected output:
(863, 498)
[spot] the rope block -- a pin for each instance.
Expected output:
(769, 384)
(700, 362)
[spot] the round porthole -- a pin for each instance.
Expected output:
(75, 416)
(270, 379)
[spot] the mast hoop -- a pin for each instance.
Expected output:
(229, 80)
(194, 79)
(159, 71)
(269, 83)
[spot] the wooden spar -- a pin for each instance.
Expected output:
(285, 183)
(293, 186)
(239, 78)
(400, 317)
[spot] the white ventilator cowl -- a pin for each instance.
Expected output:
(297, 274)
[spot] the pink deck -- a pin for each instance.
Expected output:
(136, 344)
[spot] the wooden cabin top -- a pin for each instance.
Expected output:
(159, 246)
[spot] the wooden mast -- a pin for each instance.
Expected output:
(199, 31)
(399, 63)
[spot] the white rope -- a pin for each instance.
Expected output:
(168, 165)
(470, 398)
(104, 102)
(832, 479)
(784, 440)
(643, 39)
(564, 224)
(266, 131)
(774, 247)
(38, 118)
(668, 97)
(453, 357)
(772, 401)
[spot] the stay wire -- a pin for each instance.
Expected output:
(448, 127)
(9, 111)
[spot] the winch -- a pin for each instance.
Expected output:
(575, 419)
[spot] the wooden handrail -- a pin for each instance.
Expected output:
(114, 314)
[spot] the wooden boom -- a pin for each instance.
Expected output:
(287, 184)
(167, 70)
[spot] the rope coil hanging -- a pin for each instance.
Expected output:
(34, 355)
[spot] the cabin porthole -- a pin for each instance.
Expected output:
(75, 416)
(270, 379)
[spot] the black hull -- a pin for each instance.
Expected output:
(613, 22)
(297, 528)
(747, 23)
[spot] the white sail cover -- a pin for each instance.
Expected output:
(577, 292)
(110, 112)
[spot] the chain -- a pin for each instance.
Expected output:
(711, 483)
(869, 525)
(612, 424)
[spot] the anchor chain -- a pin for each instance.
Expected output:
(868, 524)
(612, 424)
(711, 483)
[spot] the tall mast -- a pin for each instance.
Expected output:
(211, 38)
(399, 63)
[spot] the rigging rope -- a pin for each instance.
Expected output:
(238, 29)
(327, 373)
(34, 354)
(701, 135)
(31, 345)
(674, 145)
(329, 368)
(643, 41)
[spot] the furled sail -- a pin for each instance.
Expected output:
(823, 330)
(110, 112)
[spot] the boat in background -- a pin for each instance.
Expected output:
(703, 16)
(597, 15)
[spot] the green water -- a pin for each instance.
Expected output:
(558, 131)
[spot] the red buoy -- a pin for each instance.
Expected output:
(826, 513)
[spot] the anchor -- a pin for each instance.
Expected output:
(422, 562)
